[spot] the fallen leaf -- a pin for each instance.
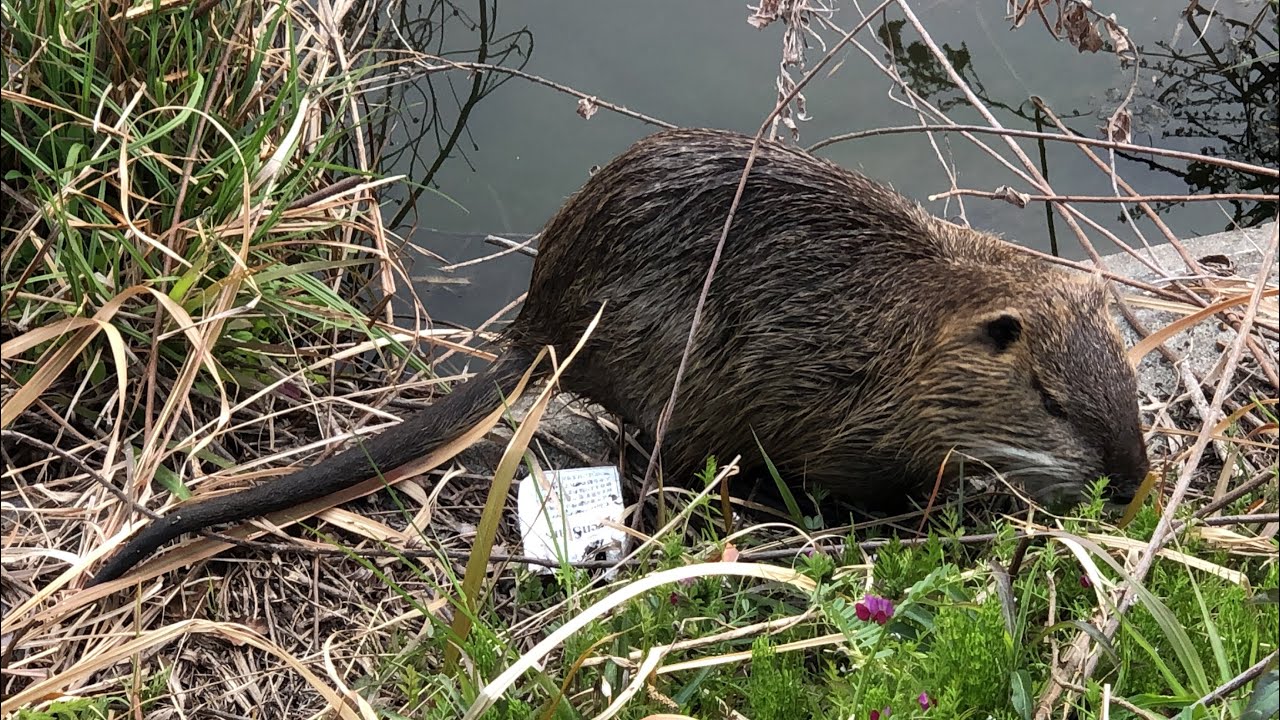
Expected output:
(764, 14)
(1011, 196)
(1079, 28)
(1021, 14)
(1119, 38)
(1118, 126)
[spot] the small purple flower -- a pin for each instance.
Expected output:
(675, 598)
(1085, 582)
(874, 608)
(925, 701)
(881, 714)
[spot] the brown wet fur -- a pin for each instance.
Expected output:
(858, 337)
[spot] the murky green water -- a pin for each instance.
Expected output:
(525, 148)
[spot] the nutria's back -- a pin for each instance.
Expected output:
(856, 336)
(862, 342)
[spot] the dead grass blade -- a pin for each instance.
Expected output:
(490, 693)
(650, 663)
(85, 329)
(204, 548)
(768, 627)
(1128, 544)
(233, 632)
(363, 526)
(487, 529)
(54, 363)
(366, 710)
(828, 640)
(1157, 338)
(51, 364)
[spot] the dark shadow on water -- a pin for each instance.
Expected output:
(1219, 100)
(437, 104)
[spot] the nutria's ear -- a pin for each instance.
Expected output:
(1001, 329)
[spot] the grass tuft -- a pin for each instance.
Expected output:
(199, 288)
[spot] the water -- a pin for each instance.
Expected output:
(525, 149)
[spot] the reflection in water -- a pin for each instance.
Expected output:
(418, 116)
(1208, 88)
(1222, 98)
(437, 105)
(1218, 98)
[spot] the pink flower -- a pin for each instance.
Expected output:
(925, 702)
(1085, 582)
(881, 714)
(874, 608)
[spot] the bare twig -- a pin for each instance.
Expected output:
(1228, 520)
(833, 549)
(520, 247)
(1056, 137)
(109, 486)
(1205, 197)
(447, 64)
(1222, 691)
(1268, 366)
(1164, 529)
(1258, 480)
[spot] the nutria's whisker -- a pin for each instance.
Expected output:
(1008, 461)
(1055, 471)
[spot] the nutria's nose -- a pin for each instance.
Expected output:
(1126, 466)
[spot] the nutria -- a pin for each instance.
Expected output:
(859, 338)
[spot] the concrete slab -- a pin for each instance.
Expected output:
(1232, 261)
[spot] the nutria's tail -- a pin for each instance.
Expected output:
(417, 436)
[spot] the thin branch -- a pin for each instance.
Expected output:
(446, 64)
(1262, 478)
(1222, 691)
(1165, 527)
(1021, 199)
(1074, 139)
(1228, 520)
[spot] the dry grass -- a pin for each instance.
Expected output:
(157, 370)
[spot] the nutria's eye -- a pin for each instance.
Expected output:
(1051, 404)
(1053, 407)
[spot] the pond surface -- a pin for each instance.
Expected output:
(523, 148)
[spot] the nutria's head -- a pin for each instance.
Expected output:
(1031, 380)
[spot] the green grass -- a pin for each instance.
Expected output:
(162, 300)
(974, 651)
(80, 709)
(163, 291)
(150, 205)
